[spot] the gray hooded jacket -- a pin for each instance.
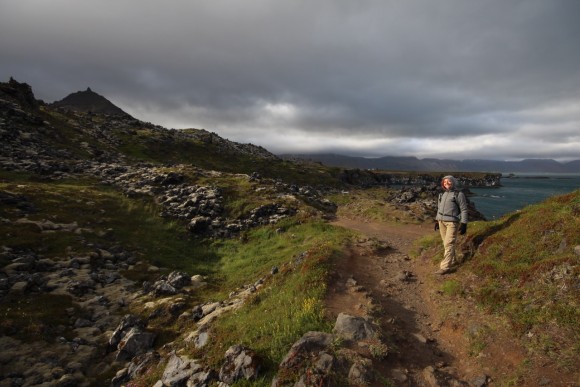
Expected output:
(452, 205)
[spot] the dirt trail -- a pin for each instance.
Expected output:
(392, 288)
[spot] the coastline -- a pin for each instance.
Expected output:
(522, 189)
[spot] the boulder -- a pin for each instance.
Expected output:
(360, 373)
(135, 342)
(197, 282)
(199, 224)
(310, 342)
(126, 323)
(178, 279)
(178, 370)
(353, 328)
(163, 288)
(240, 363)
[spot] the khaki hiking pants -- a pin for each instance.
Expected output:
(448, 231)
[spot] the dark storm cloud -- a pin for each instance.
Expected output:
(365, 77)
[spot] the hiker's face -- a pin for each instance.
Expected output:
(447, 184)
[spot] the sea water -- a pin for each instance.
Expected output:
(520, 190)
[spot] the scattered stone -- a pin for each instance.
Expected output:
(360, 373)
(353, 328)
(399, 375)
(135, 342)
(544, 381)
(405, 276)
(240, 363)
(197, 282)
(420, 338)
(127, 322)
(479, 381)
(178, 370)
(178, 279)
(429, 376)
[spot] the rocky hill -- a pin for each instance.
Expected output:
(89, 102)
(60, 137)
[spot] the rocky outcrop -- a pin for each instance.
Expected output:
(316, 360)
(240, 363)
(368, 178)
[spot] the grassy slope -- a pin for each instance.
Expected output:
(523, 269)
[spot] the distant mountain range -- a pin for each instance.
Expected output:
(439, 165)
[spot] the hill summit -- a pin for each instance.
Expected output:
(89, 102)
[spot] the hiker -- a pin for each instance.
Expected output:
(451, 219)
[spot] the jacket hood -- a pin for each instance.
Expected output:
(453, 181)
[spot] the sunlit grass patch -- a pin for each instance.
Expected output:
(290, 303)
(266, 247)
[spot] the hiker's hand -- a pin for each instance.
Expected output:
(436, 226)
(462, 228)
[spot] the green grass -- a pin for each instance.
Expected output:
(292, 300)
(451, 288)
(424, 243)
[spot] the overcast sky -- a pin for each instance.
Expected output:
(457, 79)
